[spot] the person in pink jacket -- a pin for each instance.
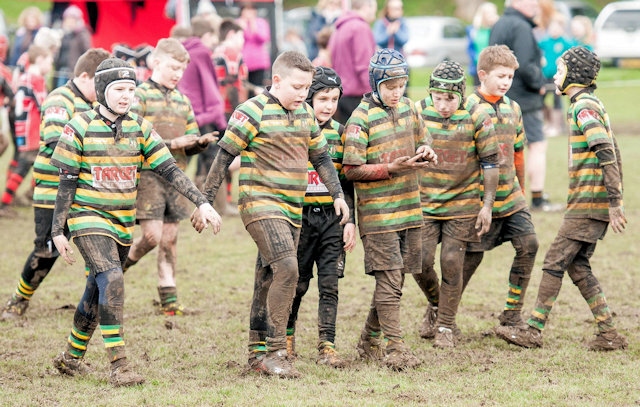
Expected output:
(257, 36)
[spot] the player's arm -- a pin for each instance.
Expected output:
(217, 173)
(64, 199)
(613, 184)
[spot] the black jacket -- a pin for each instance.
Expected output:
(515, 30)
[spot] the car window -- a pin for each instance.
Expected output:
(453, 31)
(418, 28)
(628, 20)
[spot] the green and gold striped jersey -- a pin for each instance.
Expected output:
(378, 135)
(108, 171)
(509, 130)
(274, 145)
(317, 192)
(169, 111)
(59, 107)
(589, 126)
(451, 189)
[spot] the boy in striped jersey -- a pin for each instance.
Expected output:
(159, 207)
(511, 219)
(276, 135)
(99, 156)
(454, 212)
(594, 202)
(386, 145)
(75, 97)
(323, 240)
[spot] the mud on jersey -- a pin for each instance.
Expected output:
(509, 131)
(274, 145)
(169, 111)
(378, 135)
(451, 189)
(589, 126)
(108, 172)
(59, 107)
(317, 192)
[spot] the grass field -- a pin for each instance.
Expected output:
(200, 360)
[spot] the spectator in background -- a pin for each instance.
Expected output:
(322, 41)
(76, 40)
(180, 32)
(29, 22)
(582, 31)
(553, 44)
(293, 41)
(323, 15)
(6, 95)
(478, 35)
(257, 35)
(390, 30)
(352, 45)
(515, 30)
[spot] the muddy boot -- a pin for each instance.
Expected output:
(605, 341)
(399, 357)
(68, 365)
(122, 374)
(370, 346)
(511, 318)
(276, 364)
(328, 356)
(15, 308)
(428, 327)
(445, 338)
(525, 336)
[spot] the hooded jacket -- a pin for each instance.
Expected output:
(200, 85)
(352, 46)
(515, 31)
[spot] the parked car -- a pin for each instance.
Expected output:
(572, 8)
(617, 31)
(435, 38)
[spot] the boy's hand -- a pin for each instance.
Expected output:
(342, 209)
(617, 220)
(483, 223)
(64, 248)
(205, 215)
(427, 154)
(406, 163)
(207, 138)
(349, 237)
(186, 141)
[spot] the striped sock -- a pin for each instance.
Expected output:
(514, 301)
(113, 341)
(78, 342)
(24, 290)
(168, 295)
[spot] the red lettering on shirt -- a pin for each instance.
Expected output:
(587, 115)
(353, 131)
(67, 133)
(238, 118)
(56, 113)
(113, 177)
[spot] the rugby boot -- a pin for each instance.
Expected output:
(122, 375)
(68, 365)
(15, 308)
(428, 327)
(511, 318)
(525, 336)
(275, 364)
(328, 356)
(399, 357)
(445, 338)
(605, 341)
(370, 346)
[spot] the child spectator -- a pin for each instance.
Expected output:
(159, 207)
(75, 97)
(454, 212)
(6, 96)
(276, 134)
(385, 146)
(323, 240)
(581, 29)
(324, 54)
(553, 44)
(29, 97)
(478, 35)
(594, 202)
(511, 219)
(30, 21)
(98, 156)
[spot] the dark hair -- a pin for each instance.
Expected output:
(226, 26)
(89, 61)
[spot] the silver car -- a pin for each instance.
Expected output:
(435, 38)
(617, 31)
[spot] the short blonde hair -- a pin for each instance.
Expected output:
(289, 60)
(171, 47)
(494, 56)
